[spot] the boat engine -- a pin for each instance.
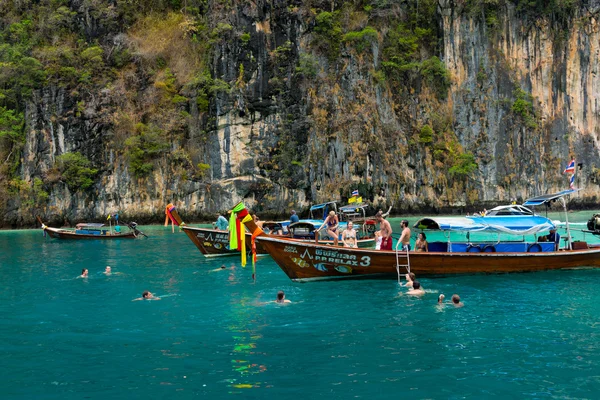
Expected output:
(594, 224)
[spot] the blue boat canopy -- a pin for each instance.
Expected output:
(516, 225)
(547, 198)
(320, 206)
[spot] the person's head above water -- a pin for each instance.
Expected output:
(107, 269)
(84, 272)
(455, 298)
(280, 296)
(146, 294)
(416, 285)
(441, 298)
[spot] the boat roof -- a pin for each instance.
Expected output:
(516, 225)
(319, 206)
(90, 225)
(512, 209)
(352, 207)
(547, 198)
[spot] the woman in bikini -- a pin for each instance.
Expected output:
(349, 236)
(332, 223)
(421, 243)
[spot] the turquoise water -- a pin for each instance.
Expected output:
(214, 334)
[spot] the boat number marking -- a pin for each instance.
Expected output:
(290, 249)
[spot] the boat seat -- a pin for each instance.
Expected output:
(580, 245)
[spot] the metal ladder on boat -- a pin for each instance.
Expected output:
(400, 255)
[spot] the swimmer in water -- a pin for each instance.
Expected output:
(410, 277)
(107, 271)
(456, 301)
(416, 290)
(441, 298)
(223, 267)
(147, 296)
(281, 298)
(84, 273)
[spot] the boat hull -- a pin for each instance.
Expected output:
(65, 234)
(215, 243)
(306, 261)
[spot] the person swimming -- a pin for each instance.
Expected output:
(108, 270)
(441, 298)
(84, 273)
(281, 298)
(456, 301)
(147, 296)
(416, 290)
(410, 278)
(221, 268)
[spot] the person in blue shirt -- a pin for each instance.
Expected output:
(221, 223)
(554, 237)
(294, 217)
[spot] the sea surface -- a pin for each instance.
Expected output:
(217, 334)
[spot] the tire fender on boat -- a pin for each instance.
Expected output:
(490, 248)
(534, 246)
(473, 248)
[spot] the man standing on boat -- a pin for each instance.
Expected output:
(405, 237)
(385, 229)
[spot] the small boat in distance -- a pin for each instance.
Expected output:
(93, 231)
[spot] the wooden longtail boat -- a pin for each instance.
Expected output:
(308, 261)
(92, 231)
(215, 243)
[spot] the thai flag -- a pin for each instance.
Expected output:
(354, 193)
(572, 182)
(570, 168)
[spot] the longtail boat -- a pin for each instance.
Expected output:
(215, 242)
(93, 231)
(308, 261)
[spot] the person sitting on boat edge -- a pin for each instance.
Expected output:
(421, 243)
(294, 218)
(222, 223)
(554, 237)
(281, 298)
(405, 237)
(385, 230)
(349, 236)
(257, 221)
(332, 222)
(456, 301)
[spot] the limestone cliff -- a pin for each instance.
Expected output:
(292, 116)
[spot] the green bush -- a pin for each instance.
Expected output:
(426, 135)
(437, 76)
(75, 170)
(144, 147)
(464, 166)
(362, 38)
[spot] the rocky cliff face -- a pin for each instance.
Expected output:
(296, 126)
